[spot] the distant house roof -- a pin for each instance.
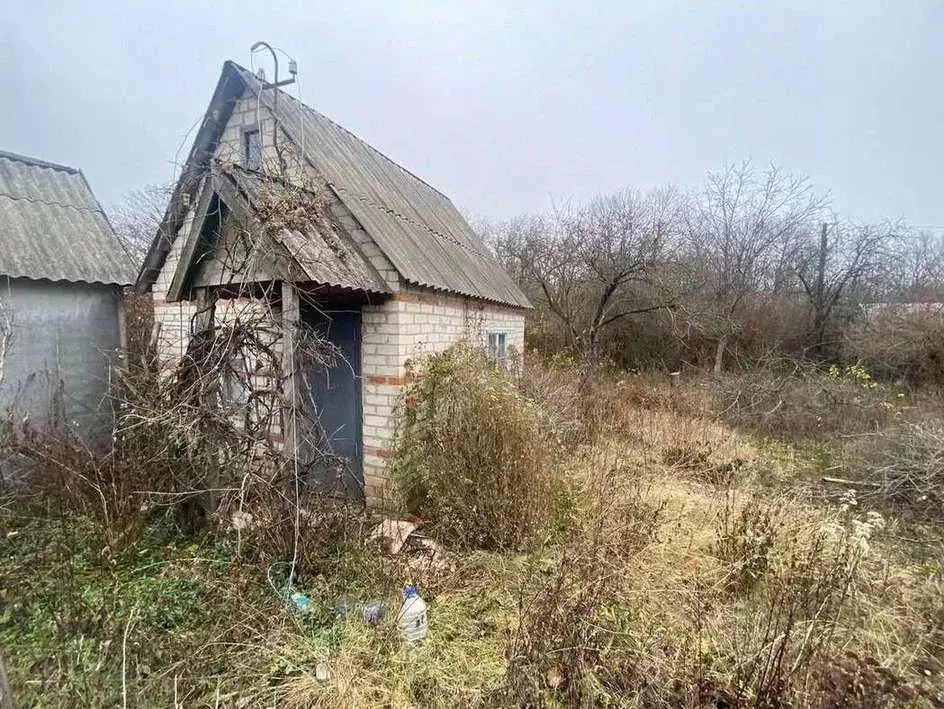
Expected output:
(914, 310)
(417, 227)
(51, 226)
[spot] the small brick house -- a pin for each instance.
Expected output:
(378, 260)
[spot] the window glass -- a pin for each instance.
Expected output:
(497, 347)
(253, 150)
(237, 382)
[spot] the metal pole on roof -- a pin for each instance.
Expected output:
(292, 69)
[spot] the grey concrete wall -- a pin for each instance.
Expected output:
(58, 338)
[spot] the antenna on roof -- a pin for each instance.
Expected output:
(292, 67)
(260, 75)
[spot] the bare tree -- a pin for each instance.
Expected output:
(138, 217)
(597, 265)
(844, 259)
(744, 233)
(917, 274)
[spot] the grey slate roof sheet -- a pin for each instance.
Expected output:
(311, 239)
(51, 226)
(416, 226)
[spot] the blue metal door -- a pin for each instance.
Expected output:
(333, 405)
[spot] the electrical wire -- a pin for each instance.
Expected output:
(252, 68)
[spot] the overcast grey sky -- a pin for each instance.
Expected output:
(505, 105)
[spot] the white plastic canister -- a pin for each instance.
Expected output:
(412, 621)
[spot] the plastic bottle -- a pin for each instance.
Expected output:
(412, 621)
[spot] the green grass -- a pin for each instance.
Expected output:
(69, 611)
(183, 621)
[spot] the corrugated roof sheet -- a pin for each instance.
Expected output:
(308, 235)
(52, 227)
(416, 226)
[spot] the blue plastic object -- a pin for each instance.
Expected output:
(301, 601)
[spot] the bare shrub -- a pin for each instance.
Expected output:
(577, 403)
(69, 472)
(581, 404)
(793, 629)
(907, 466)
(470, 458)
(901, 343)
(792, 400)
(568, 623)
(554, 384)
(193, 444)
(139, 325)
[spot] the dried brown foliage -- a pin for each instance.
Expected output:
(898, 344)
(794, 400)
(192, 444)
(906, 464)
(566, 636)
(470, 458)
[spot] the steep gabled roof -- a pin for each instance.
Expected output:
(51, 226)
(417, 227)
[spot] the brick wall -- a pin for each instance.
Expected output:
(412, 324)
(174, 319)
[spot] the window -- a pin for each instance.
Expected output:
(498, 347)
(253, 149)
(237, 382)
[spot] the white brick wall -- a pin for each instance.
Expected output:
(174, 318)
(413, 324)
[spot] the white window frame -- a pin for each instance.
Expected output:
(497, 346)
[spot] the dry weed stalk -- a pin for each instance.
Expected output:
(562, 644)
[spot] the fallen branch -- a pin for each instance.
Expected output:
(845, 481)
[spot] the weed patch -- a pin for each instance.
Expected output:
(744, 538)
(569, 614)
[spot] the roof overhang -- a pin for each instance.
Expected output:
(301, 244)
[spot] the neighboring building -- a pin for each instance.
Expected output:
(61, 273)
(365, 251)
(902, 311)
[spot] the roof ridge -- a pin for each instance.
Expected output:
(465, 267)
(349, 132)
(37, 162)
